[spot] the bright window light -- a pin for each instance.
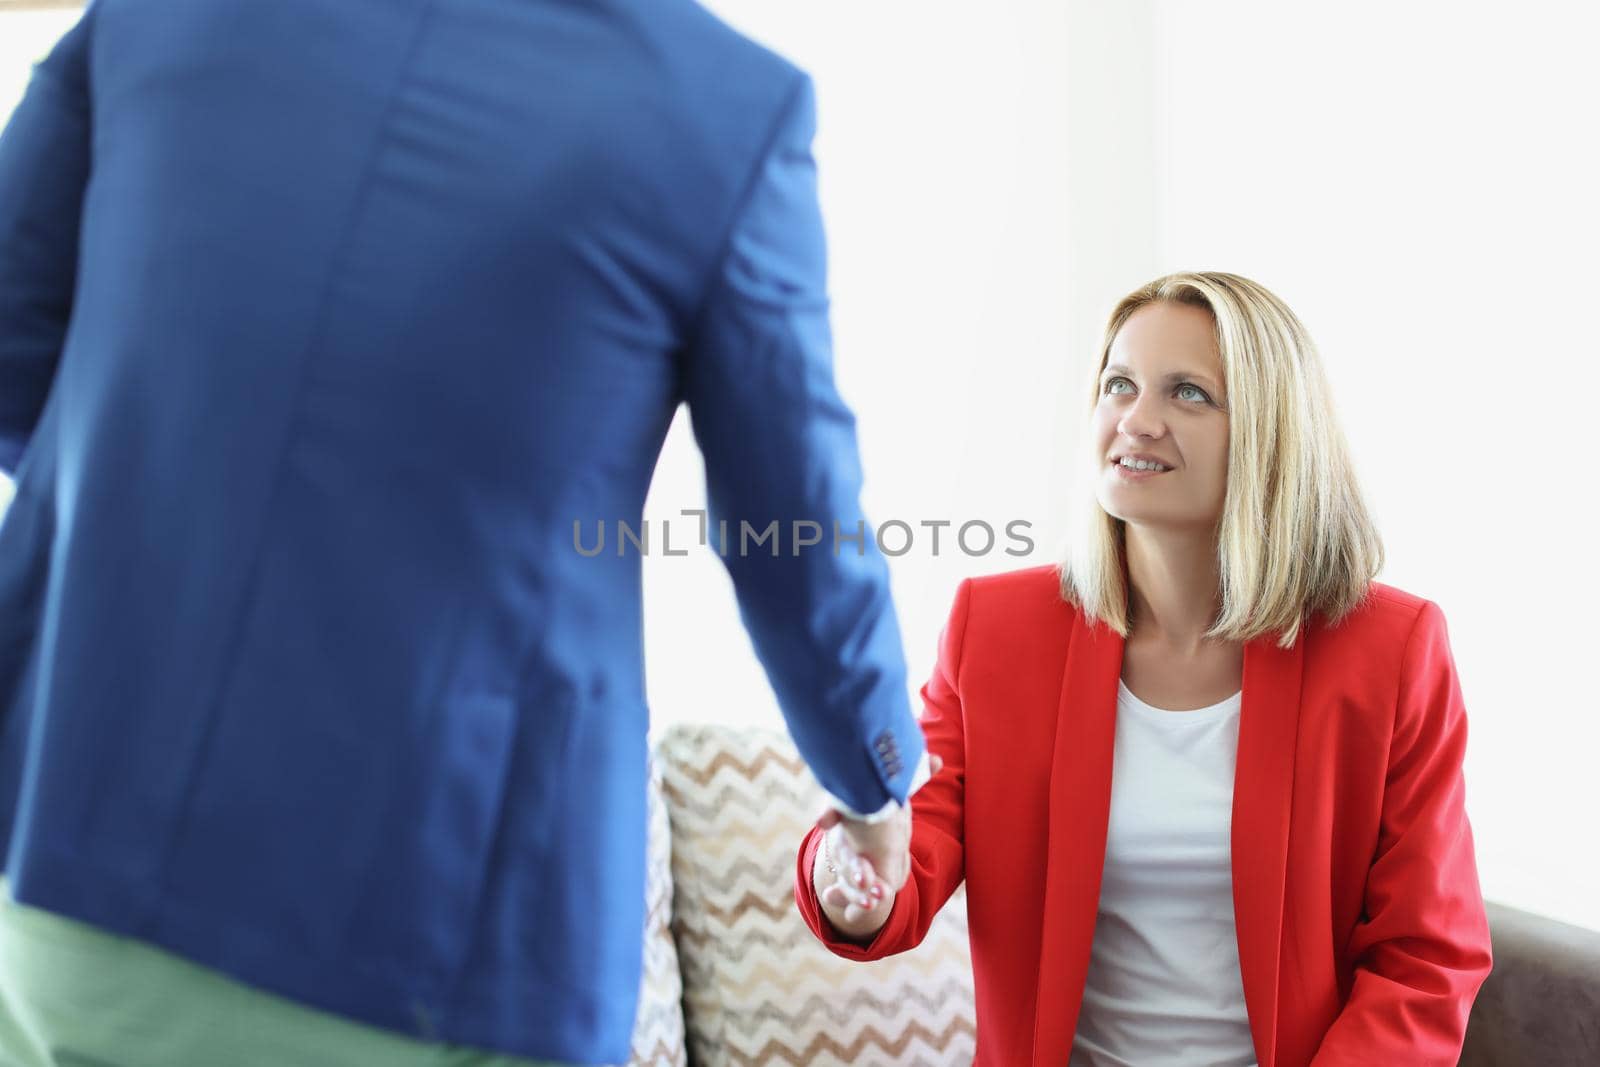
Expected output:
(27, 33)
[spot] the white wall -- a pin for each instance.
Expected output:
(942, 153)
(1415, 179)
(25, 38)
(1418, 182)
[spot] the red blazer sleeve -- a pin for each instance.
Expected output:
(1422, 946)
(937, 866)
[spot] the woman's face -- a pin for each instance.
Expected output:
(1162, 399)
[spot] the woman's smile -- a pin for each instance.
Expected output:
(1139, 468)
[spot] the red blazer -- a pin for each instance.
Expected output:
(1362, 935)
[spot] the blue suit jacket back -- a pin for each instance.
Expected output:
(321, 324)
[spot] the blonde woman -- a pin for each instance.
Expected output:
(1203, 781)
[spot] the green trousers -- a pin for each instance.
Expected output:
(72, 995)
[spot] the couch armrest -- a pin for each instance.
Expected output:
(1541, 1004)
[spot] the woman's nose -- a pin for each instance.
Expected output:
(1141, 419)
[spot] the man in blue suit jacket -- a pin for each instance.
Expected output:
(321, 324)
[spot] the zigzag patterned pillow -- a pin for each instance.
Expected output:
(658, 1037)
(758, 988)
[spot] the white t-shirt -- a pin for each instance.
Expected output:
(1163, 984)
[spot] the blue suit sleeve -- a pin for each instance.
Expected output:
(780, 447)
(44, 168)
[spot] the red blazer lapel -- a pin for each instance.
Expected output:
(1263, 778)
(1080, 807)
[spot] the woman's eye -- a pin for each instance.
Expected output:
(1119, 385)
(1187, 391)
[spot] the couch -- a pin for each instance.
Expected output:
(734, 979)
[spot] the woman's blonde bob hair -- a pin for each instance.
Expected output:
(1295, 537)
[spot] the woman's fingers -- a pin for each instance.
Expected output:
(845, 893)
(866, 876)
(858, 896)
(852, 866)
(855, 889)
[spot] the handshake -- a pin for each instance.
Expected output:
(860, 866)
